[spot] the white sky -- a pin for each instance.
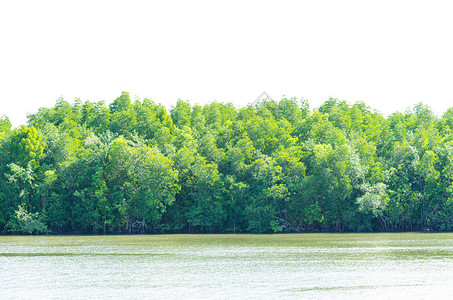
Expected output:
(389, 54)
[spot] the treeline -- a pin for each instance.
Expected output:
(134, 167)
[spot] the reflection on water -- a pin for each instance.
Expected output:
(380, 266)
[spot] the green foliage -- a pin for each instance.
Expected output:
(26, 146)
(23, 222)
(374, 200)
(276, 166)
(5, 126)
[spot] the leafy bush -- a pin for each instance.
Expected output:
(26, 223)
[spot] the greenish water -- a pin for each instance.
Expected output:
(332, 266)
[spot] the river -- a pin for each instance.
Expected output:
(283, 266)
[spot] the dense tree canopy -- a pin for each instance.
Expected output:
(133, 166)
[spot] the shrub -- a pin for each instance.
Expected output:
(26, 223)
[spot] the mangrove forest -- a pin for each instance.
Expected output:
(134, 166)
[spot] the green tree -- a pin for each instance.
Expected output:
(26, 146)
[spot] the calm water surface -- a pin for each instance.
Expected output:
(308, 266)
